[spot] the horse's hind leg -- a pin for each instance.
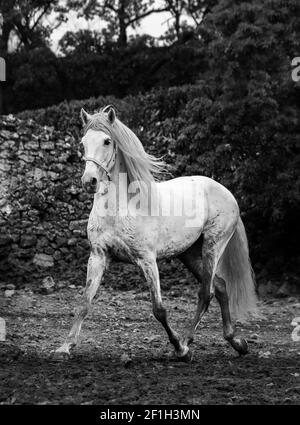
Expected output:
(192, 259)
(239, 344)
(150, 270)
(211, 254)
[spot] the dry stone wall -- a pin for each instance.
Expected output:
(43, 209)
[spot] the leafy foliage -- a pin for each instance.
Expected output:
(119, 15)
(38, 78)
(26, 19)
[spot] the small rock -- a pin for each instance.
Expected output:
(28, 291)
(8, 293)
(152, 338)
(57, 255)
(72, 241)
(10, 286)
(254, 337)
(126, 360)
(60, 241)
(264, 355)
(48, 285)
(74, 190)
(43, 260)
(28, 241)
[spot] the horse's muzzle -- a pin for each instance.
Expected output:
(90, 185)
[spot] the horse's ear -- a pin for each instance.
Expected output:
(111, 115)
(85, 117)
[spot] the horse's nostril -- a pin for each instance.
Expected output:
(93, 181)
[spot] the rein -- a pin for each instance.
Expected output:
(102, 164)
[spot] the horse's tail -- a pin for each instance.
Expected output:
(235, 268)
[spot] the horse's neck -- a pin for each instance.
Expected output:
(119, 168)
(118, 190)
(119, 177)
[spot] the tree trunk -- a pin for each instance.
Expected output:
(177, 25)
(24, 34)
(122, 35)
(122, 41)
(6, 29)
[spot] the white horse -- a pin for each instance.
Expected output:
(128, 224)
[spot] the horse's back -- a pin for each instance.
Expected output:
(214, 195)
(207, 206)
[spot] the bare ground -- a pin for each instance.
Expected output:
(125, 358)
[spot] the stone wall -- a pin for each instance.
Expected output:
(43, 209)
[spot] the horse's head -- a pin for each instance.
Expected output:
(99, 149)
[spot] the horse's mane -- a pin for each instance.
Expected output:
(140, 166)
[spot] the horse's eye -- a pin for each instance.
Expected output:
(106, 142)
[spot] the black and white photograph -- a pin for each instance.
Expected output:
(149, 206)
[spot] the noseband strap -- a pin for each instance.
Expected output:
(102, 164)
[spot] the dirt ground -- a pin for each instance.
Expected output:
(125, 358)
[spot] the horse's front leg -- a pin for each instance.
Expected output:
(150, 270)
(98, 262)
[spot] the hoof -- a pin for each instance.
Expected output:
(60, 355)
(240, 345)
(186, 358)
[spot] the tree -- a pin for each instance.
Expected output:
(81, 42)
(195, 9)
(198, 9)
(26, 19)
(176, 8)
(119, 14)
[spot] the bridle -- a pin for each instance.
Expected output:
(105, 166)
